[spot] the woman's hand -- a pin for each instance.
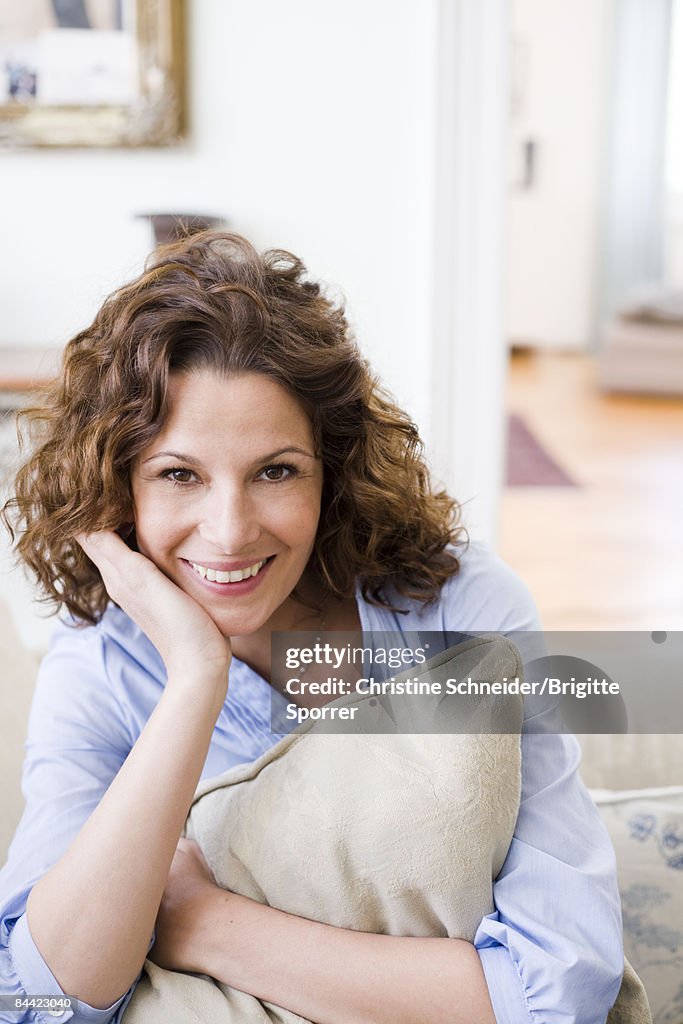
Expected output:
(184, 634)
(184, 911)
(295, 962)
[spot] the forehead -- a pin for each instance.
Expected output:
(251, 408)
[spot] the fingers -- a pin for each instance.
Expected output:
(125, 573)
(188, 845)
(198, 862)
(103, 548)
(192, 849)
(107, 550)
(101, 543)
(182, 631)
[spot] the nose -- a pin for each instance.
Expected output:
(229, 520)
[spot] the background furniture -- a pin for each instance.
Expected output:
(171, 227)
(642, 347)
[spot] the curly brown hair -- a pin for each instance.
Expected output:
(211, 301)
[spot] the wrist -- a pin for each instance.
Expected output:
(201, 954)
(206, 687)
(231, 924)
(216, 927)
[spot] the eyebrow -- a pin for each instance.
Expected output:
(191, 461)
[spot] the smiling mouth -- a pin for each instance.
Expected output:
(233, 576)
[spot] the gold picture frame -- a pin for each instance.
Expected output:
(96, 73)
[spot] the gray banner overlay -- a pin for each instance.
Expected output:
(429, 682)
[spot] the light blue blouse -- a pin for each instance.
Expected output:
(551, 951)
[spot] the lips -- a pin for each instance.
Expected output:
(228, 576)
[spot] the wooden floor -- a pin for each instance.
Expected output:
(609, 554)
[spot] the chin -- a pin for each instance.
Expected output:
(238, 623)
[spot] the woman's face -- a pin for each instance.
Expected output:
(227, 497)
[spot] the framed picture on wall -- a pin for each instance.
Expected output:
(91, 72)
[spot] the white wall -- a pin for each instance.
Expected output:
(325, 128)
(674, 155)
(312, 128)
(561, 57)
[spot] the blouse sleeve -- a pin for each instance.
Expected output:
(552, 949)
(77, 742)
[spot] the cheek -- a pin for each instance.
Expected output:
(303, 517)
(293, 519)
(157, 525)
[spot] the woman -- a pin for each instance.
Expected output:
(218, 416)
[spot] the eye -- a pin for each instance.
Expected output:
(279, 472)
(178, 475)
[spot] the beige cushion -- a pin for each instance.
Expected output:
(373, 832)
(397, 834)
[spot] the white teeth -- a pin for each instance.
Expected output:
(234, 576)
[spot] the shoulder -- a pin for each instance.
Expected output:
(487, 595)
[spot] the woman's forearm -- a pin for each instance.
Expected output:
(107, 887)
(337, 976)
